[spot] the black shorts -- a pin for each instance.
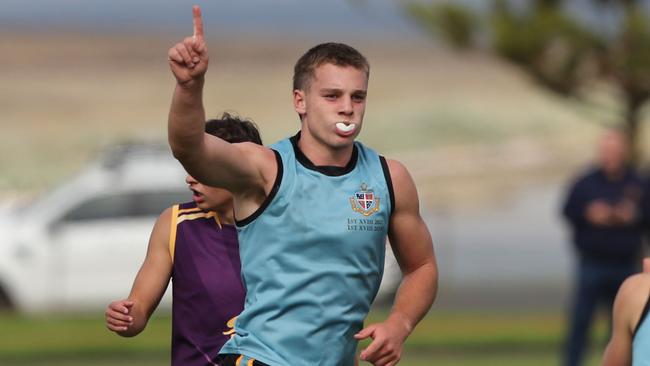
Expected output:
(230, 359)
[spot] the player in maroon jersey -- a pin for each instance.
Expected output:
(195, 245)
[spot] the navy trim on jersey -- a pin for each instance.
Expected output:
(332, 171)
(269, 198)
(643, 316)
(389, 183)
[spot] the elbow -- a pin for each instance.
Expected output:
(430, 272)
(433, 269)
(129, 333)
(185, 145)
(179, 150)
(185, 152)
(134, 329)
(427, 275)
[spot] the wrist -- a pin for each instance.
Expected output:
(192, 85)
(402, 321)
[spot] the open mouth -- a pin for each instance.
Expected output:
(195, 194)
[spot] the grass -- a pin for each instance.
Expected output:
(442, 338)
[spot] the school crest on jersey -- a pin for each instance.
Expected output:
(364, 201)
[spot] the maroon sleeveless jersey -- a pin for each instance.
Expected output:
(206, 284)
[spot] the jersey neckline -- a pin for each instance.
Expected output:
(333, 171)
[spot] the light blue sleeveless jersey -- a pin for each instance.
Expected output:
(312, 259)
(641, 340)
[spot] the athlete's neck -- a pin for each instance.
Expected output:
(225, 213)
(323, 155)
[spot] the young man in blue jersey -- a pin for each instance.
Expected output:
(630, 341)
(195, 245)
(312, 213)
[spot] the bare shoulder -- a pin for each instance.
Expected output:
(162, 230)
(251, 147)
(257, 153)
(262, 157)
(637, 285)
(632, 297)
(398, 171)
(406, 195)
(165, 217)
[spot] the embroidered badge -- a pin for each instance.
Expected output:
(364, 201)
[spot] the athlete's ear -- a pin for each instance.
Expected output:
(299, 102)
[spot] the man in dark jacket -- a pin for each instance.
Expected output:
(604, 209)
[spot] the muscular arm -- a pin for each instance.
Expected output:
(413, 248)
(209, 159)
(129, 317)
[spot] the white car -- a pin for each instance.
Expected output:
(80, 246)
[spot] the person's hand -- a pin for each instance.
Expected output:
(387, 340)
(118, 315)
(599, 213)
(188, 59)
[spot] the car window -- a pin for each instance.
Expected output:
(125, 205)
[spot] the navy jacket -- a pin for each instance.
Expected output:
(621, 244)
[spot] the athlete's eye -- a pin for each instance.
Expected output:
(358, 97)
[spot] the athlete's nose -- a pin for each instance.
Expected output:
(190, 180)
(346, 107)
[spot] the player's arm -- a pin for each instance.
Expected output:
(207, 158)
(413, 248)
(129, 317)
(619, 348)
(628, 306)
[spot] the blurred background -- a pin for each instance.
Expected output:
(493, 106)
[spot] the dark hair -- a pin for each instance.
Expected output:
(233, 129)
(338, 54)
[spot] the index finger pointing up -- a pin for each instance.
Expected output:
(198, 21)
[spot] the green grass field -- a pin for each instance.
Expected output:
(446, 339)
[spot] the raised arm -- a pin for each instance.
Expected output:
(128, 317)
(413, 248)
(209, 159)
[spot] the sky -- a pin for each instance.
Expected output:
(356, 18)
(342, 18)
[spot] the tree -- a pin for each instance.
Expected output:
(559, 50)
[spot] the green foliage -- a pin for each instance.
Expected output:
(555, 48)
(455, 23)
(629, 59)
(549, 45)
